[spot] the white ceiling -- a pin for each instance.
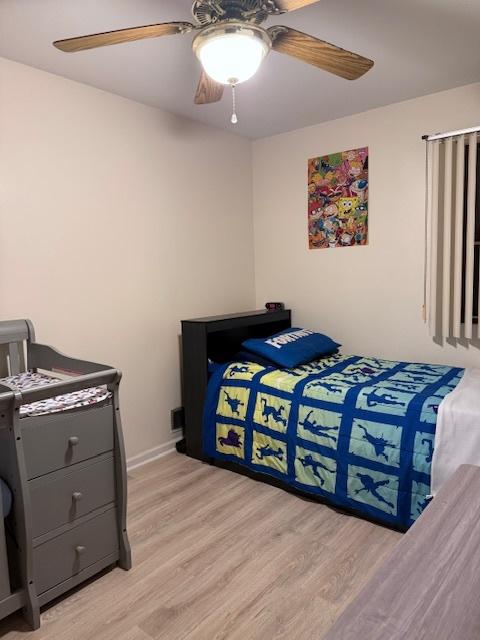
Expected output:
(419, 47)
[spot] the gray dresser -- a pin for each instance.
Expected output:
(67, 474)
(71, 479)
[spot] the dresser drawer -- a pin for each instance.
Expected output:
(69, 553)
(63, 496)
(63, 439)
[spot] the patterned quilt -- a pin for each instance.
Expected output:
(359, 432)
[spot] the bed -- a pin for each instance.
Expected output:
(355, 432)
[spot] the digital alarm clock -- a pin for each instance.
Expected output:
(274, 306)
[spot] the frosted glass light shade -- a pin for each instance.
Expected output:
(230, 55)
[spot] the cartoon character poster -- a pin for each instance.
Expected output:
(338, 200)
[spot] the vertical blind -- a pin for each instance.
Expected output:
(451, 275)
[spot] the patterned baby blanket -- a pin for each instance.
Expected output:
(55, 404)
(359, 432)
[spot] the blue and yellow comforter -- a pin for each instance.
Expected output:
(359, 432)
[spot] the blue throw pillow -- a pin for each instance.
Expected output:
(292, 347)
(249, 356)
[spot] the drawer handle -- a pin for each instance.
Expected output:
(80, 550)
(73, 441)
(77, 495)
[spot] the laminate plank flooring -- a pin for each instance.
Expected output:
(428, 588)
(218, 556)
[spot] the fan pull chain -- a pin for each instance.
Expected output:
(234, 119)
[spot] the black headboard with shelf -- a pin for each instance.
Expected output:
(217, 338)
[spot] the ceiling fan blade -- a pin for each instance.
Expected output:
(321, 54)
(123, 35)
(208, 90)
(292, 5)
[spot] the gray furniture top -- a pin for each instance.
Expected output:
(14, 334)
(429, 588)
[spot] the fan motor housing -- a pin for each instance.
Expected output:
(231, 27)
(209, 12)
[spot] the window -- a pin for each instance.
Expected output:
(452, 274)
(476, 268)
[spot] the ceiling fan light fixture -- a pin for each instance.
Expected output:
(231, 53)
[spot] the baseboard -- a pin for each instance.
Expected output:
(153, 454)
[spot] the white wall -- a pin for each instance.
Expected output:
(369, 298)
(117, 221)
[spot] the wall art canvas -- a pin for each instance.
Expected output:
(338, 199)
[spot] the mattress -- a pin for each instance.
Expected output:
(65, 402)
(357, 432)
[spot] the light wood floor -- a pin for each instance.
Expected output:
(219, 556)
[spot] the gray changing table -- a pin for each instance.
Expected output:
(67, 474)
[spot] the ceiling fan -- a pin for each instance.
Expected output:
(231, 43)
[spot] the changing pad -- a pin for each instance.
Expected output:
(65, 402)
